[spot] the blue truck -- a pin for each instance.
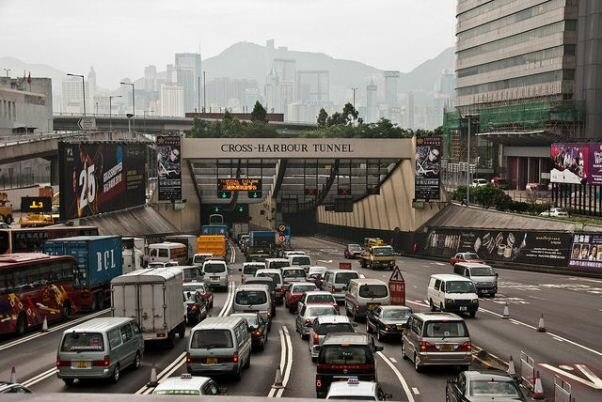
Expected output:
(99, 259)
(262, 245)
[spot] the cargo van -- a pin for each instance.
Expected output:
(482, 275)
(453, 293)
(215, 273)
(363, 295)
(188, 240)
(99, 348)
(219, 345)
(168, 251)
(336, 281)
(253, 298)
(302, 261)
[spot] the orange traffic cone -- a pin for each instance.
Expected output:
(541, 327)
(511, 369)
(506, 314)
(153, 377)
(45, 325)
(538, 387)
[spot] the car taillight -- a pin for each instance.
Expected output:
(106, 362)
(62, 363)
(465, 347)
(427, 347)
(316, 338)
(188, 358)
(235, 357)
(333, 290)
(318, 382)
(269, 314)
(256, 332)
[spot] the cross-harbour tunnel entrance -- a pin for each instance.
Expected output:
(300, 181)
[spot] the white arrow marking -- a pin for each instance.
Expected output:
(590, 375)
(573, 377)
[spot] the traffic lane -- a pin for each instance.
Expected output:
(305, 370)
(155, 354)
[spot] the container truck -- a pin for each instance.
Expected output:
(262, 244)
(154, 298)
(99, 259)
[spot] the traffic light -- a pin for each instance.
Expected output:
(241, 209)
(254, 194)
(224, 195)
(216, 210)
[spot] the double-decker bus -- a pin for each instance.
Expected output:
(34, 286)
(26, 240)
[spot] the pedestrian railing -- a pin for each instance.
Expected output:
(562, 390)
(527, 370)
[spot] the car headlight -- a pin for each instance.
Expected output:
(474, 301)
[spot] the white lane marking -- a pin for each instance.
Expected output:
(289, 363)
(415, 391)
(594, 385)
(402, 380)
(586, 280)
(229, 299)
(53, 329)
(438, 263)
(567, 368)
(273, 390)
(40, 377)
(590, 375)
(233, 253)
(557, 339)
(393, 359)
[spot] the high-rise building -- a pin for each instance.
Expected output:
(391, 84)
(172, 100)
(313, 86)
(528, 74)
(188, 73)
(285, 70)
(371, 104)
(411, 111)
(150, 78)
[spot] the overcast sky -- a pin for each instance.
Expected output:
(120, 37)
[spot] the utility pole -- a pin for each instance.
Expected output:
(204, 93)
(468, 167)
(83, 87)
(7, 71)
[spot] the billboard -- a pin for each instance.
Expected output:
(428, 168)
(169, 167)
(576, 163)
(99, 177)
(235, 184)
(586, 253)
(522, 247)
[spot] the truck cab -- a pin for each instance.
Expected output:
(377, 254)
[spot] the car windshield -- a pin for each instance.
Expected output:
(251, 297)
(191, 287)
(316, 299)
(460, 287)
(319, 311)
(82, 342)
(339, 354)
(382, 251)
(397, 314)
(482, 271)
(324, 329)
(491, 389)
(251, 319)
(293, 273)
(447, 329)
(275, 277)
(345, 277)
(251, 269)
(279, 264)
(302, 288)
(301, 260)
(470, 256)
(192, 274)
(210, 339)
(214, 268)
(372, 291)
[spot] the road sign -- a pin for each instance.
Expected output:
(223, 195)
(281, 228)
(254, 194)
(344, 265)
(238, 184)
(397, 287)
(87, 123)
(281, 238)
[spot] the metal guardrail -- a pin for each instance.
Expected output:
(562, 390)
(527, 370)
(25, 139)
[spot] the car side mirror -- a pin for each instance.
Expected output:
(239, 269)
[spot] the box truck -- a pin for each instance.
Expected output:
(154, 298)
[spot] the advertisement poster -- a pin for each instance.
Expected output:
(100, 177)
(169, 168)
(428, 168)
(576, 163)
(539, 248)
(587, 251)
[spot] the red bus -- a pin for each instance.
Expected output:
(34, 286)
(27, 240)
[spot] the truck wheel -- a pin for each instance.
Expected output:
(171, 339)
(21, 324)
(8, 219)
(66, 311)
(182, 330)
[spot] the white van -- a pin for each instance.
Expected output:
(168, 251)
(216, 273)
(302, 261)
(219, 345)
(277, 263)
(365, 294)
(453, 293)
(253, 298)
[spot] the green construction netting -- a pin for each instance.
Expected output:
(532, 115)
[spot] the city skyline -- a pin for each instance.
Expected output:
(158, 31)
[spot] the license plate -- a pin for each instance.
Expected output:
(212, 360)
(372, 306)
(463, 308)
(81, 364)
(446, 348)
(214, 277)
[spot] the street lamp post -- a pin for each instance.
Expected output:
(83, 86)
(144, 124)
(133, 97)
(111, 112)
(468, 167)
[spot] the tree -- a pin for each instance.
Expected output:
(349, 113)
(322, 118)
(259, 114)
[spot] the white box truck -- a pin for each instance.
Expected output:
(152, 297)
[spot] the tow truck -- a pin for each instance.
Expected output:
(377, 254)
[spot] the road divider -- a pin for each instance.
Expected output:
(283, 372)
(53, 329)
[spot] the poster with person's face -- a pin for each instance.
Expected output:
(169, 167)
(587, 252)
(428, 169)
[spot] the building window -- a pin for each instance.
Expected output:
(552, 76)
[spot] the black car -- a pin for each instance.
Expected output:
(343, 356)
(484, 385)
(387, 321)
(196, 306)
(258, 328)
